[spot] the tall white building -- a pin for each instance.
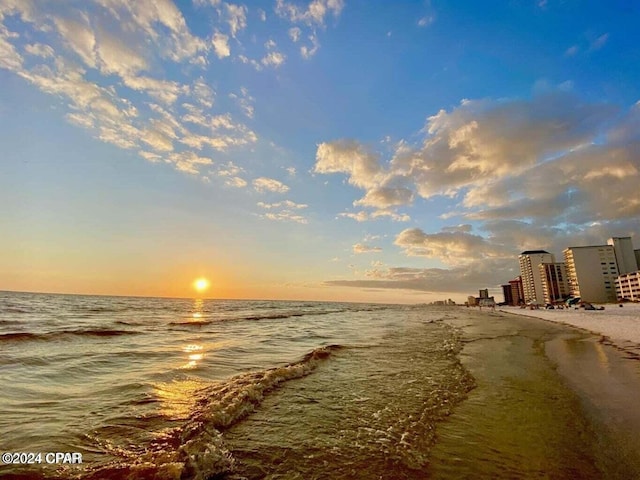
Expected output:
(592, 271)
(555, 285)
(628, 286)
(530, 273)
(625, 255)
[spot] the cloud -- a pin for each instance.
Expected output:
(309, 18)
(79, 37)
(315, 12)
(273, 59)
(454, 248)
(285, 211)
(284, 204)
(221, 45)
(599, 42)
(426, 21)
(189, 162)
(264, 184)
(348, 156)
(463, 279)
(235, 182)
(245, 101)
(236, 17)
(202, 93)
(294, 34)
(572, 51)
(359, 248)
(548, 172)
(508, 157)
(363, 216)
(384, 197)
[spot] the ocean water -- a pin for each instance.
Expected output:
(175, 388)
(147, 388)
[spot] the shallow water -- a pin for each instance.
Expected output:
(160, 388)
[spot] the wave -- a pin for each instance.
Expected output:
(196, 449)
(14, 310)
(24, 336)
(256, 317)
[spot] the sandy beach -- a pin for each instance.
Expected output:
(552, 400)
(619, 326)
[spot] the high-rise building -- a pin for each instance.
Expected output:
(628, 286)
(555, 286)
(530, 273)
(517, 292)
(625, 255)
(506, 291)
(592, 271)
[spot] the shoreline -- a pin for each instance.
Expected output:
(551, 399)
(616, 327)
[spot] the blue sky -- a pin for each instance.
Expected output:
(332, 149)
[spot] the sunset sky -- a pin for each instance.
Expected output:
(331, 150)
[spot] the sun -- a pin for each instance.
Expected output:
(201, 284)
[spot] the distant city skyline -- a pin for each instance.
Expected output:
(323, 150)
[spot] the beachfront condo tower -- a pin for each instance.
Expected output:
(625, 255)
(628, 286)
(530, 273)
(592, 271)
(555, 286)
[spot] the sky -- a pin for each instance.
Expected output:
(348, 150)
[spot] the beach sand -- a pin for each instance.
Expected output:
(551, 401)
(619, 326)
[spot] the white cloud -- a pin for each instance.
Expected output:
(79, 37)
(245, 101)
(350, 157)
(286, 216)
(384, 197)
(284, 211)
(220, 43)
(235, 182)
(294, 34)
(315, 12)
(188, 162)
(309, 51)
(273, 59)
(39, 50)
(264, 184)
(426, 21)
(203, 93)
(359, 248)
(236, 17)
(360, 216)
(288, 204)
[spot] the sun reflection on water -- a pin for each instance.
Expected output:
(178, 398)
(195, 353)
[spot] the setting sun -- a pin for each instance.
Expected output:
(201, 284)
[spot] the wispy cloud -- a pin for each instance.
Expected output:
(264, 184)
(93, 67)
(284, 211)
(359, 248)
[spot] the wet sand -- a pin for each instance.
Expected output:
(551, 402)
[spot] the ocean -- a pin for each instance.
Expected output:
(146, 387)
(155, 388)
